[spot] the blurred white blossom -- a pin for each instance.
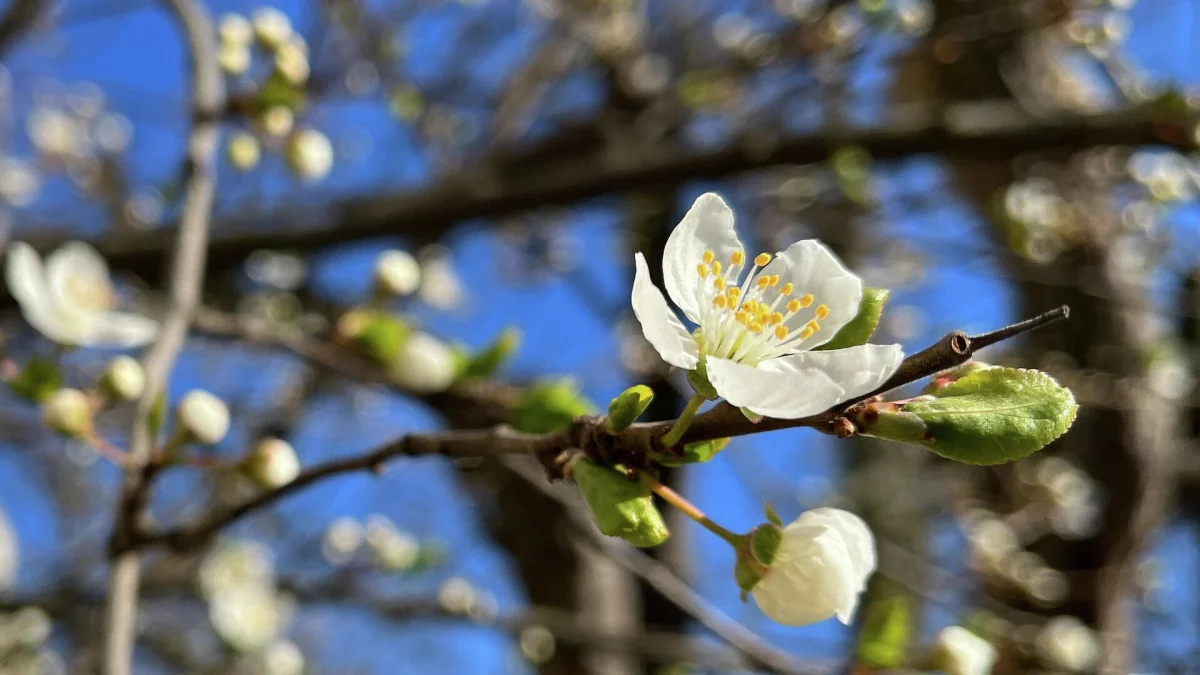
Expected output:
(204, 416)
(440, 284)
(962, 652)
(424, 364)
(310, 154)
(397, 273)
(1066, 644)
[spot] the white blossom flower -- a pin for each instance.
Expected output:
(310, 154)
(19, 181)
(204, 416)
(68, 412)
(1066, 644)
(271, 26)
(274, 463)
(235, 564)
(234, 57)
(248, 617)
(236, 29)
(441, 286)
(124, 378)
(424, 364)
(56, 133)
(245, 152)
(283, 657)
(292, 63)
(277, 121)
(756, 326)
(397, 273)
(70, 300)
(819, 570)
(964, 653)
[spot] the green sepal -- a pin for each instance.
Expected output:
(626, 408)
(694, 453)
(621, 507)
(863, 325)
(772, 515)
(749, 414)
(493, 357)
(549, 406)
(755, 555)
(38, 380)
(698, 378)
(995, 415)
(886, 632)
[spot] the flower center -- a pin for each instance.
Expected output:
(751, 318)
(91, 294)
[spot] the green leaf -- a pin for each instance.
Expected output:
(549, 406)
(493, 357)
(694, 453)
(885, 635)
(158, 414)
(621, 507)
(863, 325)
(625, 409)
(38, 380)
(382, 336)
(994, 416)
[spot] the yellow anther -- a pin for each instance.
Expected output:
(762, 259)
(709, 256)
(702, 270)
(822, 311)
(806, 300)
(716, 267)
(738, 258)
(774, 280)
(755, 327)
(721, 302)
(742, 317)
(781, 332)
(807, 333)
(787, 288)
(719, 283)
(749, 305)
(793, 305)
(763, 282)
(776, 318)
(734, 293)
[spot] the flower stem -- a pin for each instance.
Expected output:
(672, 437)
(680, 502)
(107, 450)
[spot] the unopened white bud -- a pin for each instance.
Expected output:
(1067, 644)
(204, 416)
(235, 29)
(424, 365)
(244, 151)
(277, 121)
(124, 378)
(292, 63)
(234, 57)
(273, 464)
(961, 652)
(68, 412)
(310, 154)
(272, 26)
(397, 273)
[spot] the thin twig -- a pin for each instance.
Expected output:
(187, 278)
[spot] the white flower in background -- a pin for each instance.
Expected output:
(247, 617)
(1066, 644)
(56, 133)
(397, 273)
(310, 154)
(124, 378)
(70, 299)
(819, 570)
(277, 121)
(272, 26)
(69, 412)
(10, 553)
(245, 152)
(236, 564)
(440, 286)
(274, 463)
(292, 62)
(964, 653)
(30, 626)
(342, 540)
(283, 657)
(204, 416)
(113, 133)
(19, 182)
(235, 29)
(424, 364)
(234, 57)
(757, 325)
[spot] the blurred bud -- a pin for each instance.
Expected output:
(992, 541)
(310, 155)
(537, 644)
(235, 29)
(291, 62)
(424, 365)
(1066, 644)
(204, 416)
(271, 26)
(283, 657)
(30, 626)
(19, 182)
(244, 151)
(234, 57)
(277, 121)
(625, 409)
(273, 463)
(456, 595)
(396, 273)
(440, 285)
(124, 378)
(342, 540)
(68, 412)
(961, 652)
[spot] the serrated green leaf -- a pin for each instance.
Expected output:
(38, 380)
(621, 507)
(694, 453)
(549, 406)
(625, 409)
(995, 416)
(885, 635)
(863, 325)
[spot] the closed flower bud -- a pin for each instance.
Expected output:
(273, 464)
(272, 26)
(244, 151)
(310, 155)
(961, 652)
(424, 365)
(397, 273)
(277, 121)
(292, 63)
(204, 416)
(1066, 644)
(124, 378)
(235, 29)
(819, 570)
(233, 57)
(68, 412)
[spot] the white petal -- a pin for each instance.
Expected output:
(118, 329)
(78, 277)
(965, 653)
(857, 370)
(813, 268)
(774, 388)
(860, 543)
(661, 327)
(707, 226)
(811, 578)
(27, 283)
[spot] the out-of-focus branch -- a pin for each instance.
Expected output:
(187, 281)
(19, 17)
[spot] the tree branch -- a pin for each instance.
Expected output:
(187, 280)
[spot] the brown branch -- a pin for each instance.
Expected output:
(187, 280)
(20, 16)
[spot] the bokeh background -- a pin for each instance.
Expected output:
(983, 160)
